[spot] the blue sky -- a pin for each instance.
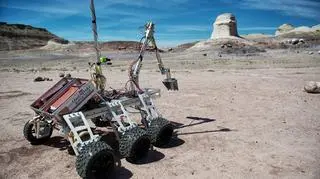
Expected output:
(177, 21)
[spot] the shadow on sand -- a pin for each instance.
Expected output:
(153, 156)
(200, 120)
(120, 173)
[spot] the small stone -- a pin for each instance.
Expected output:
(38, 79)
(310, 53)
(312, 87)
(61, 75)
(294, 41)
(68, 75)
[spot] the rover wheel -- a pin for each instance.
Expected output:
(95, 160)
(160, 131)
(134, 144)
(45, 132)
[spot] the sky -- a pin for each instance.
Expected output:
(177, 21)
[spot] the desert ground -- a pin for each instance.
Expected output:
(236, 116)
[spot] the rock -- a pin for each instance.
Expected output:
(312, 87)
(204, 54)
(122, 48)
(310, 53)
(294, 41)
(61, 75)
(319, 52)
(302, 41)
(225, 26)
(38, 79)
(284, 28)
(68, 75)
(226, 45)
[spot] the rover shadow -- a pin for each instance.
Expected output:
(120, 173)
(200, 120)
(174, 142)
(206, 131)
(153, 156)
(58, 142)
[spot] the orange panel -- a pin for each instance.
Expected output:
(64, 97)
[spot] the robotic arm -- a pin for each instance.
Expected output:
(134, 70)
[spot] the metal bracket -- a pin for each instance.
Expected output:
(121, 116)
(148, 107)
(78, 124)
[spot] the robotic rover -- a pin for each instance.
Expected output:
(83, 112)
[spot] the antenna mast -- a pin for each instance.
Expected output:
(94, 30)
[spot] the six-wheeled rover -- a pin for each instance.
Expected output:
(84, 112)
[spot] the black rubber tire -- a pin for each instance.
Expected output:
(134, 144)
(160, 131)
(28, 133)
(95, 160)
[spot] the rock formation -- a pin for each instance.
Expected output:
(20, 36)
(284, 28)
(225, 26)
(289, 29)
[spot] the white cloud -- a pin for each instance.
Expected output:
(300, 8)
(50, 10)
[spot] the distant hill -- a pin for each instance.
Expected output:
(183, 47)
(111, 45)
(20, 36)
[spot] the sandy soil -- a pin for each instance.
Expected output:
(241, 117)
